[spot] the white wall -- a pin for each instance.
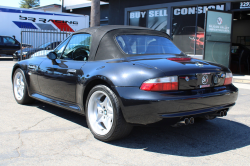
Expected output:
(54, 9)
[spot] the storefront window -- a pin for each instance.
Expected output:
(183, 29)
(155, 19)
(186, 35)
(138, 18)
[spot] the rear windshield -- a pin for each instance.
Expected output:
(146, 44)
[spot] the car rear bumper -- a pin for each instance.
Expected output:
(143, 107)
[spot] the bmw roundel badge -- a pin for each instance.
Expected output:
(204, 79)
(187, 78)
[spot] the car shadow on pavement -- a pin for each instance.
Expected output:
(65, 114)
(200, 139)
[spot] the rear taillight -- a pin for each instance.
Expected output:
(161, 84)
(228, 79)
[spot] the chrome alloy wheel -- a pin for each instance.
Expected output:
(100, 112)
(18, 86)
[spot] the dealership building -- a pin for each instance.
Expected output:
(211, 36)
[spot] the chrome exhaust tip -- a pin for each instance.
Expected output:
(191, 120)
(225, 113)
(186, 121)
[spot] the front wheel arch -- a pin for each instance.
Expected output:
(14, 70)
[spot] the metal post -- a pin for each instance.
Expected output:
(95, 13)
(196, 24)
(21, 44)
(56, 36)
(60, 34)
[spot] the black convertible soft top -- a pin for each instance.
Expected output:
(103, 45)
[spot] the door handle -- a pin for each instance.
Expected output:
(71, 71)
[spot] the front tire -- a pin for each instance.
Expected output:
(104, 116)
(19, 87)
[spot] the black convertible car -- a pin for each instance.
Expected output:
(119, 76)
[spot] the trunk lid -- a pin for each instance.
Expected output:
(192, 73)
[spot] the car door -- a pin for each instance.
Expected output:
(60, 76)
(10, 45)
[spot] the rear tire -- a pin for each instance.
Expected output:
(19, 87)
(104, 115)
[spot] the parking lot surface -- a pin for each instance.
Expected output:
(41, 134)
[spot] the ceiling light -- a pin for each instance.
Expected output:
(248, 13)
(235, 19)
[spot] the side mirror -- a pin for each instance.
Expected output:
(52, 55)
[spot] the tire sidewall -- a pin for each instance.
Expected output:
(116, 110)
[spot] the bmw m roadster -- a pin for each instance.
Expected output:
(120, 76)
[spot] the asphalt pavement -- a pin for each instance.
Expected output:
(41, 134)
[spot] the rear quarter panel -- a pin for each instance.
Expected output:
(119, 72)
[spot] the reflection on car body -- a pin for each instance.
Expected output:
(28, 52)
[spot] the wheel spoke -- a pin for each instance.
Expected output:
(21, 92)
(110, 113)
(99, 117)
(99, 103)
(99, 110)
(110, 121)
(21, 86)
(105, 123)
(21, 79)
(110, 110)
(17, 81)
(105, 101)
(99, 126)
